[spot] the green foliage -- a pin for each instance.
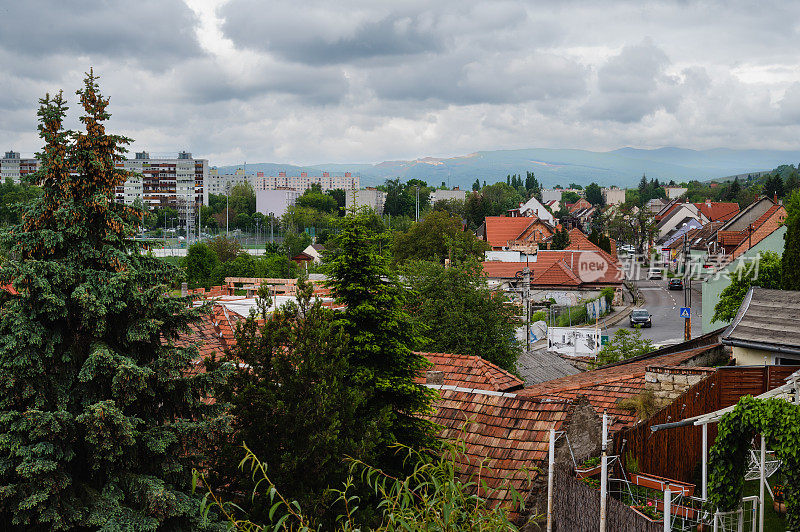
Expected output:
(648, 190)
(493, 200)
(200, 263)
(569, 197)
(381, 335)
(314, 198)
(791, 248)
(432, 496)
(456, 312)
(454, 207)
(242, 199)
(560, 239)
(623, 345)
(779, 422)
(594, 194)
(768, 274)
(293, 243)
(608, 294)
(225, 248)
(100, 415)
(293, 405)
(436, 237)
(13, 197)
(401, 198)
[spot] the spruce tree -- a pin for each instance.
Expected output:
(791, 247)
(99, 420)
(381, 335)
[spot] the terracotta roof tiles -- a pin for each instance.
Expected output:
(470, 371)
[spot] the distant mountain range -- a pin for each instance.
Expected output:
(622, 167)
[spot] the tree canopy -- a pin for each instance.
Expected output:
(436, 237)
(101, 417)
(766, 274)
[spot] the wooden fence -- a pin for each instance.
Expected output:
(576, 507)
(674, 453)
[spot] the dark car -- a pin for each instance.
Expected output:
(641, 317)
(675, 283)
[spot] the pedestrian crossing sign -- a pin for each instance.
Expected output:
(686, 312)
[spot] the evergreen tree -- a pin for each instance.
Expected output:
(734, 190)
(560, 239)
(100, 419)
(476, 186)
(594, 194)
(791, 248)
(292, 404)
(381, 337)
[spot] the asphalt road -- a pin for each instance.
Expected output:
(664, 305)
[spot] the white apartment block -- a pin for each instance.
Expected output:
(368, 197)
(166, 182)
(304, 181)
(442, 194)
(614, 196)
(13, 166)
(221, 184)
(276, 202)
(554, 194)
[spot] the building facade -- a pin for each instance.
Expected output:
(303, 182)
(221, 184)
(159, 182)
(368, 197)
(614, 196)
(275, 202)
(14, 167)
(444, 194)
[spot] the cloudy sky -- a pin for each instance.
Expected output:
(365, 81)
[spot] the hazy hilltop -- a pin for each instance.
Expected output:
(620, 167)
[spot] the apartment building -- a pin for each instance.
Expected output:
(275, 202)
(13, 166)
(220, 184)
(304, 181)
(166, 182)
(368, 197)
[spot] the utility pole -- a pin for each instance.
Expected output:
(526, 295)
(687, 292)
(227, 194)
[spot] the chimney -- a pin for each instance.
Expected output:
(347, 174)
(708, 203)
(281, 174)
(434, 377)
(775, 198)
(303, 174)
(325, 174)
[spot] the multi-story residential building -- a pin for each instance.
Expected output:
(275, 202)
(554, 194)
(304, 181)
(221, 184)
(444, 194)
(614, 196)
(166, 182)
(13, 166)
(368, 197)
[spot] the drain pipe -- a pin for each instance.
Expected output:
(551, 459)
(604, 475)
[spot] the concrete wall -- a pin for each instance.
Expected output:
(441, 195)
(713, 287)
(614, 196)
(368, 197)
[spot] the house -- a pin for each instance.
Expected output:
(315, 252)
(740, 241)
(675, 192)
(578, 205)
(533, 207)
(566, 276)
(550, 194)
(677, 214)
(766, 330)
(506, 232)
(468, 372)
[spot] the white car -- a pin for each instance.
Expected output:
(655, 273)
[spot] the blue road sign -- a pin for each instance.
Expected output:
(686, 312)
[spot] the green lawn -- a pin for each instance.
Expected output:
(772, 521)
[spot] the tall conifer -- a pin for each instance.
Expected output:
(100, 420)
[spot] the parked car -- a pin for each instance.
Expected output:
(676, 283)
(641, 317)
(654, 273)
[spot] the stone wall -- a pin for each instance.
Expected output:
(670, 382)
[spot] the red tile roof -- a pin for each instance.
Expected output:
(718, 210)
(606, 387)
(470, 371)
(558, 268)
(503, 435)
(578, 240)
(500, 230)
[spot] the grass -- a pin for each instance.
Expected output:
(772, 521)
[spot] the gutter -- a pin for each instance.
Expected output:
(761, 346)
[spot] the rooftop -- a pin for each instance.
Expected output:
(755, 325)
(472, 372)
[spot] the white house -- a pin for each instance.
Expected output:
(534, 207)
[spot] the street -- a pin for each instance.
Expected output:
(664, 305)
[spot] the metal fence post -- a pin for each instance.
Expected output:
(667, 510)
